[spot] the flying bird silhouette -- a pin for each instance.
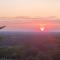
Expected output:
(2, 27)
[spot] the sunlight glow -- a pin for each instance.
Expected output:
(42, 28)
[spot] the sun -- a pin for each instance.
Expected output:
(42, 28)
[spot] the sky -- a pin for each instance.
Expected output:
(32, 8)
(29, 8)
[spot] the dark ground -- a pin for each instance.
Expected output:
(29, 46)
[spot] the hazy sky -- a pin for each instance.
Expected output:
(32, 8)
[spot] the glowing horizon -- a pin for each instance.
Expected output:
(29, 9)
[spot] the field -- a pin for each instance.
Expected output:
(29, 45)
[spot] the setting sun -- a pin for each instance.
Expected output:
(42, 28)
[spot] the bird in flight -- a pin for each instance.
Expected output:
(2, 27)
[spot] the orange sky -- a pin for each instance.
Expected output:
(18, 25)
(32, 8)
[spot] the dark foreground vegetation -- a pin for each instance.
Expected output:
(29, 46)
